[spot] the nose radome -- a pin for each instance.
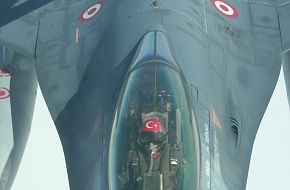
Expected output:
(155, 46)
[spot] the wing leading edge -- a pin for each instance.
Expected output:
(6, 135)
(284, 15)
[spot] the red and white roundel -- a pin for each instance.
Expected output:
(4, 93)
(90, 12)
(4, 74)
(225, 8)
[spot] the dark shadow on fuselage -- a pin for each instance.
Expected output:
(85, 145)
(9, 12)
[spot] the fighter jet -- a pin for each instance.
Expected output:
(144, 94)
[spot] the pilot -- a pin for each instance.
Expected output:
(149, 157)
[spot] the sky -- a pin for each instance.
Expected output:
(43, 165)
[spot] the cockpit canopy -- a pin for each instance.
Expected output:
(154, 159)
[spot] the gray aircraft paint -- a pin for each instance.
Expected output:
(6, 135)
(229, 51)
(271, 142)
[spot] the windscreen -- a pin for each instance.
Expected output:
(154, 141)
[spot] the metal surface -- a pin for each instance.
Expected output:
(229, 53)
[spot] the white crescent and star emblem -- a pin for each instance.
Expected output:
(151, 124)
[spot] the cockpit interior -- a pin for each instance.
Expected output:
(154, 141)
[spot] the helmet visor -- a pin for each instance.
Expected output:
(152, 137)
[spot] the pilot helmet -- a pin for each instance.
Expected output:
(152, 136)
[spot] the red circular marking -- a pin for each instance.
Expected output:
(225, 8)
(4, 93)
(91, 11)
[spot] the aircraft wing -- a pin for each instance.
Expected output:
(230, 53)
(13, 10)
(60, 39)
(6, 135)
(72, 71)
(17, 83)
(233, 71)
(284, 14)
(22, 41)
(72, 53)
